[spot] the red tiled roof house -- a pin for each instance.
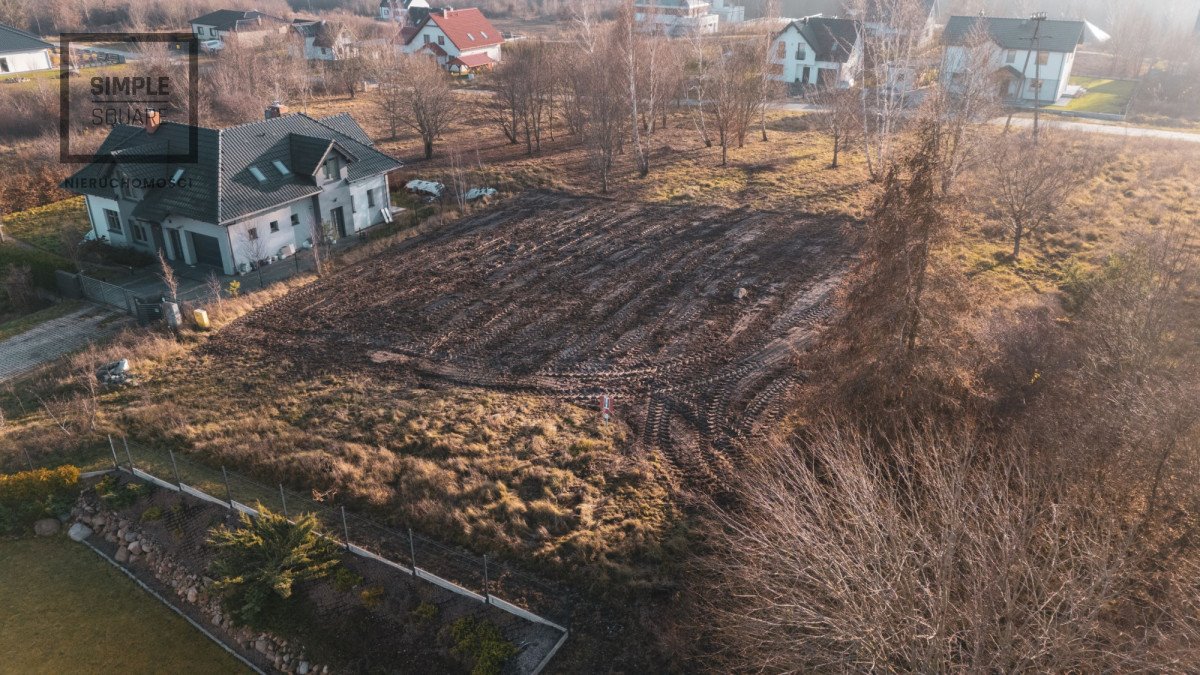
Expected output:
(462, 40)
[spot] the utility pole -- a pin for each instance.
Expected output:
(1037, 18)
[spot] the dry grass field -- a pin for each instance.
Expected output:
(451, 380)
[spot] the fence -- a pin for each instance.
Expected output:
(82, 286)
(476, 577)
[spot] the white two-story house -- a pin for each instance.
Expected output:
(325, 40)
(818, 51)
(256, 192)
(1032, 60)
(675, 17)
(461, 40)
(22, 52)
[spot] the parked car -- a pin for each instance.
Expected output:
(211, 46)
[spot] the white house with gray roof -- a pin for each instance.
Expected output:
(1031, 60)
(255, 193)
(818, 51)
(22, 52)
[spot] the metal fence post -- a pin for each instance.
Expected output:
(412, 551)
(175, 467)
(487, 597)
(283, 500)
(128, 453)
(113, 446)
(28, 458)
(346, 528)
(228, 492)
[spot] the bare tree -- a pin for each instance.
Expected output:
(388, 71)
(938, 552)
(966, 103)
(427, 97)
(838, 115)
(166, 274)
(18, 286)
(254, 250)
(625, 44)
(1032, 180)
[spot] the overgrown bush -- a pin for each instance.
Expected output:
(345, 580)
(481, 642)
(104, 252)
(259, 561)
(30, 495)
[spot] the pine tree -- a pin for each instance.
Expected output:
(260, 561)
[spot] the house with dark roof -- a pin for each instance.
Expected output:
(818, 51)
(249, 26)
(325, 40)
(22, 52)
(256, 192)
(404, 12)
(1031, 59)
(462, 40)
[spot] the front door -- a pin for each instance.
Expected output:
(339, 221)
(176, 244)
(157, 234)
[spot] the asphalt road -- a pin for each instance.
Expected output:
(48, 341)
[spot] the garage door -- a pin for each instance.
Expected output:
(208, 249)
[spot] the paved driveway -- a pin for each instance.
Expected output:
(47, 341)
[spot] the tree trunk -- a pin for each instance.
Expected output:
(428, 148)
(1018, 234)
(837, 145)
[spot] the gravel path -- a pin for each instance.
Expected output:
(47, 341)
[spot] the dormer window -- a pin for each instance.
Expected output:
(483, 34)
(175, 178)
(281, 168)
(258, 175)
(332, 169)
(471, 37)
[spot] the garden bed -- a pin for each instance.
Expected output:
(367, 617)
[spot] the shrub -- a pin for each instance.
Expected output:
(30, 495)
(482, 642)
(371, 596)
(102, 251)
(118, 495)
(259, 561)
(346, 579)
(424, 613)
(41, 264)
(152, 514)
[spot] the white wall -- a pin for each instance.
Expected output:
(23, 62)
(792, 70)
(1055, 74)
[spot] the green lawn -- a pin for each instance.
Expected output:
(24, 323)
(64, 610)
(41, 226)
(1103, 96)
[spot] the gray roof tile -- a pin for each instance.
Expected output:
(1053, 36)
(13, 40)
(220, 186)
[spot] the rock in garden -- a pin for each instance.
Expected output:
(302, 669)
(79, 532)
(122, 554)
(46, 527)
(135, 548)
(261, 646)
(191, 595)
(740, 293)
(131, 536)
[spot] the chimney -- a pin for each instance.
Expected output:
(153, 119)
(274, 110)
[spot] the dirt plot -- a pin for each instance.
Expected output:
(687, 316)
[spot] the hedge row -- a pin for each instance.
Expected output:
(42, 264)
(30, 495)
